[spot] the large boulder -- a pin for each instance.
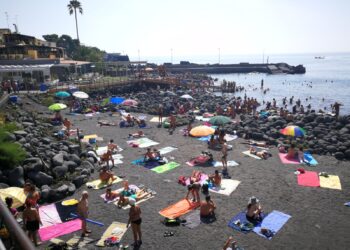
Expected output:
(16, 177)
(57, 160)
(74, 149)
(63, 189)
(75, 158)
(347, 154)
(80, 180)
(40, 178)
(71, 165)
(20, 133)
(339, 155)
(71, 189)
(60, 171)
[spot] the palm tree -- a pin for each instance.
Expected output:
(72, 7)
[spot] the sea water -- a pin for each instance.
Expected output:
(327, 78)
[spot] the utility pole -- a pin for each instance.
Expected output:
(171, 55)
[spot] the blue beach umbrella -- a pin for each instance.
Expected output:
(116, 100)
(62, 94)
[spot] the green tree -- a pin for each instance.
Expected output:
(72, 8)
(51, 38)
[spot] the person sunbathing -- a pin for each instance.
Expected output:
(258, 143)
(106, 157)
(207, 208)
(230, 244)
(124, 197)
(291, 152)
(149, 156)
(301, 157)
(111, 195)
(254, 211)
(263, 154)
(196, 176)
(215, 178)
(106, 175)
(139, 134)
(194, 190)
(281, 148)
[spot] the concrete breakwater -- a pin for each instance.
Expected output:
(272, 68)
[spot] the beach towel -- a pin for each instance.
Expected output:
(251, 155)
(137, 202)
(142, 142)
(146, 164)
(229, 164)
(201, 118)
(193, 219)
(166, 150)
(204, 138)
(244, 227)
(98, 184)
(116, 229)
(274, 221)
(226, 188)
(155, 119)
(102, 150)
(309, 179)
(308, 157)
(165, 167)
(229, 137)
(49, 215)
(332, 182)
(47, 233)
(286, 160)
(178, 209)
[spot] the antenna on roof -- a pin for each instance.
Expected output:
(16, 29)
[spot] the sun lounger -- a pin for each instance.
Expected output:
(116, 229)
(97, 184)
(274, 221)
(180, 208)
(331, 181)
(226, 188)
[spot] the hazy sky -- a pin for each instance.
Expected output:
(191, 27)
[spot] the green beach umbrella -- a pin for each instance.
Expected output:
(219, 120)
(62, 94)
(57, 106)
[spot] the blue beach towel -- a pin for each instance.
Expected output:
(347, 204)
(148, 164)
(204, 138)
(310, 159)
(274, 221)
(139, 161)
(243, 221)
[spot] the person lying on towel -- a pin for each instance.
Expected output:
(139, 134)
(215, 179)
(106, 175)
(254, 211)
(196, 176)
(125, 197)
(263, 154)
(111, 195)
(207, 208)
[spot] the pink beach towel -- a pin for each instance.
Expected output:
(57, 230)
(309, 179)
(286, 160)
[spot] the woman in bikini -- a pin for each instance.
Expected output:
(135, 221)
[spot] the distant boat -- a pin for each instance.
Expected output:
(319, 57)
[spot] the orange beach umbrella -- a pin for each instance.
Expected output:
(202, 131)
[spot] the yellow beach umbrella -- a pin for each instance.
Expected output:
(202, 131)
(15, 193)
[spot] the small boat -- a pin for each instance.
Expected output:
(319, 57)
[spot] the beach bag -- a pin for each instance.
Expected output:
(182, 180)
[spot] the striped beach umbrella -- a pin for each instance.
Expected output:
(294, 131)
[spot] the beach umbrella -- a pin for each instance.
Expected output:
(129, 102)
(116, 100)
(62, 94)
(170, 93)
(186, 96)
(80, 95)
(148, 69)
(15, 193)
(219, 120)
(202, 131)
(57, 106)
(294, 131)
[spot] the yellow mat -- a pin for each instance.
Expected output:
(70, 202)
(332, 181)
(117, 229)
(98, 184)
(90, 136)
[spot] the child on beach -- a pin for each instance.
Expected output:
(32, 221)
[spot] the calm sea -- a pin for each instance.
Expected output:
(327, 78)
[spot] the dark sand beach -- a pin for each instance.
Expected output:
(319, 218)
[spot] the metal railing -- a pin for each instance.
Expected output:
(21, 239)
